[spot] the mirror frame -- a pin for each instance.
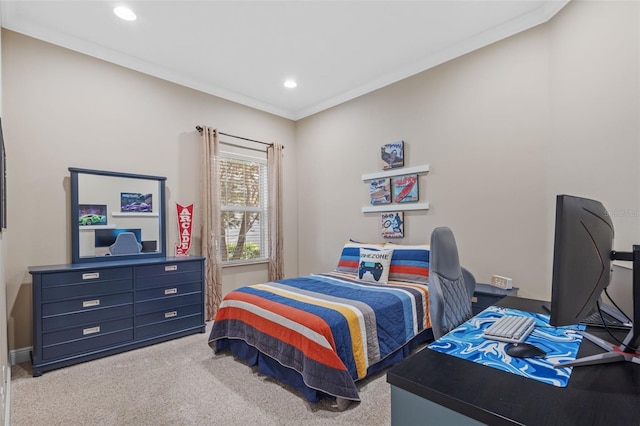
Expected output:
(75, 228)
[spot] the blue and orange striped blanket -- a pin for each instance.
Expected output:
(329, 327)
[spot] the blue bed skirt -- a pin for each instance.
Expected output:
(272, 368)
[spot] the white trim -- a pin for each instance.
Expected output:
(395, 207)
(7, 398)
(230, 263)
(18, 356)
(396, 172)
(90, 227)
(140, 214)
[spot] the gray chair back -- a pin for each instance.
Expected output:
(126, 243)
(451, 287)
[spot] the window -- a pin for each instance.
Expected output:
(243, 193)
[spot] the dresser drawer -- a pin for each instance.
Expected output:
(66, 278)
(168, 268)
(89, 344)
(168, 279)
(91, 330)
(87, 304)
(168, 291)
(168, 303)
(169, 326)
(80, 318)
(86, 289)
(169, 315)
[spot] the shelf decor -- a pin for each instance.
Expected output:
(185, 225)
(380, 191)
(405, 188)
(392, 155)
(395, 206)
(393, 225)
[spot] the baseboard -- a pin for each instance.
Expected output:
(7, 401)
(18, 356)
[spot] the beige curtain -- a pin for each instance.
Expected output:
(210, 231)
(274, 172)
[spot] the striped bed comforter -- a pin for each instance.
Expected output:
(329, 327)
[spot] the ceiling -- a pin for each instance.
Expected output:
(243, 51)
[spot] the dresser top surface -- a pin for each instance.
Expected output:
(110, 264)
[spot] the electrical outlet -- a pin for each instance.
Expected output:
(501, 282)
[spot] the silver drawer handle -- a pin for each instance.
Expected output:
(91, 276)
(171, 268)
(171, 291)
(90, 303)
(91, 330)
(171, 314)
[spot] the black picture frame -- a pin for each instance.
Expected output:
(3, 182)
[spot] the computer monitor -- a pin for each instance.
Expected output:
(582, 262)
(106, 237)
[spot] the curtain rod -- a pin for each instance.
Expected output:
(199, 129)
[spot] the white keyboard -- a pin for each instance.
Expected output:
(510, 328)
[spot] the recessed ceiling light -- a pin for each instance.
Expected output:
(124, 13)
(290, 84)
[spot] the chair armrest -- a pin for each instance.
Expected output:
(469, 281)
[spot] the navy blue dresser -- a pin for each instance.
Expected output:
(91, 310)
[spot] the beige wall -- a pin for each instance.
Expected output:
(504, 129)
(65, 109)
(4, 354)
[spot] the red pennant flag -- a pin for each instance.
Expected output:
(185, 223)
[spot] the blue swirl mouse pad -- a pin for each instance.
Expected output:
(560, 344)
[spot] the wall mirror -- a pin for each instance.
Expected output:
(105, 205)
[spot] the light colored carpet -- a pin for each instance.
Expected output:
(180, 382)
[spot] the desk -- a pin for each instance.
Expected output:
(434, 388)
(486, 295)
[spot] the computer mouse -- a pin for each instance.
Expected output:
(525, 350)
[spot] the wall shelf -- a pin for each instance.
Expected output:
(396, 172)
(90, 227)
(140, 214)
(395, 207)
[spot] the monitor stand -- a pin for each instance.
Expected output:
(628, 350)
(613, 354)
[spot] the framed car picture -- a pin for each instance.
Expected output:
(92, 214)
(133, 202)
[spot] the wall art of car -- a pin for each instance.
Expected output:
(137, 207)
(92, 219)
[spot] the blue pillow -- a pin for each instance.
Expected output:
(409, 263)
(350, 256)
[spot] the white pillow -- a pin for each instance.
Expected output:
(374, 265)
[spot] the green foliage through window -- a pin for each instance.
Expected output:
(243, 193)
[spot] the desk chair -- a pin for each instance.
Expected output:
(126, 243)
(451, 287)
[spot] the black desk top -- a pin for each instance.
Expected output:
(597, 394)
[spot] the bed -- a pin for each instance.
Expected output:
(322, 333)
